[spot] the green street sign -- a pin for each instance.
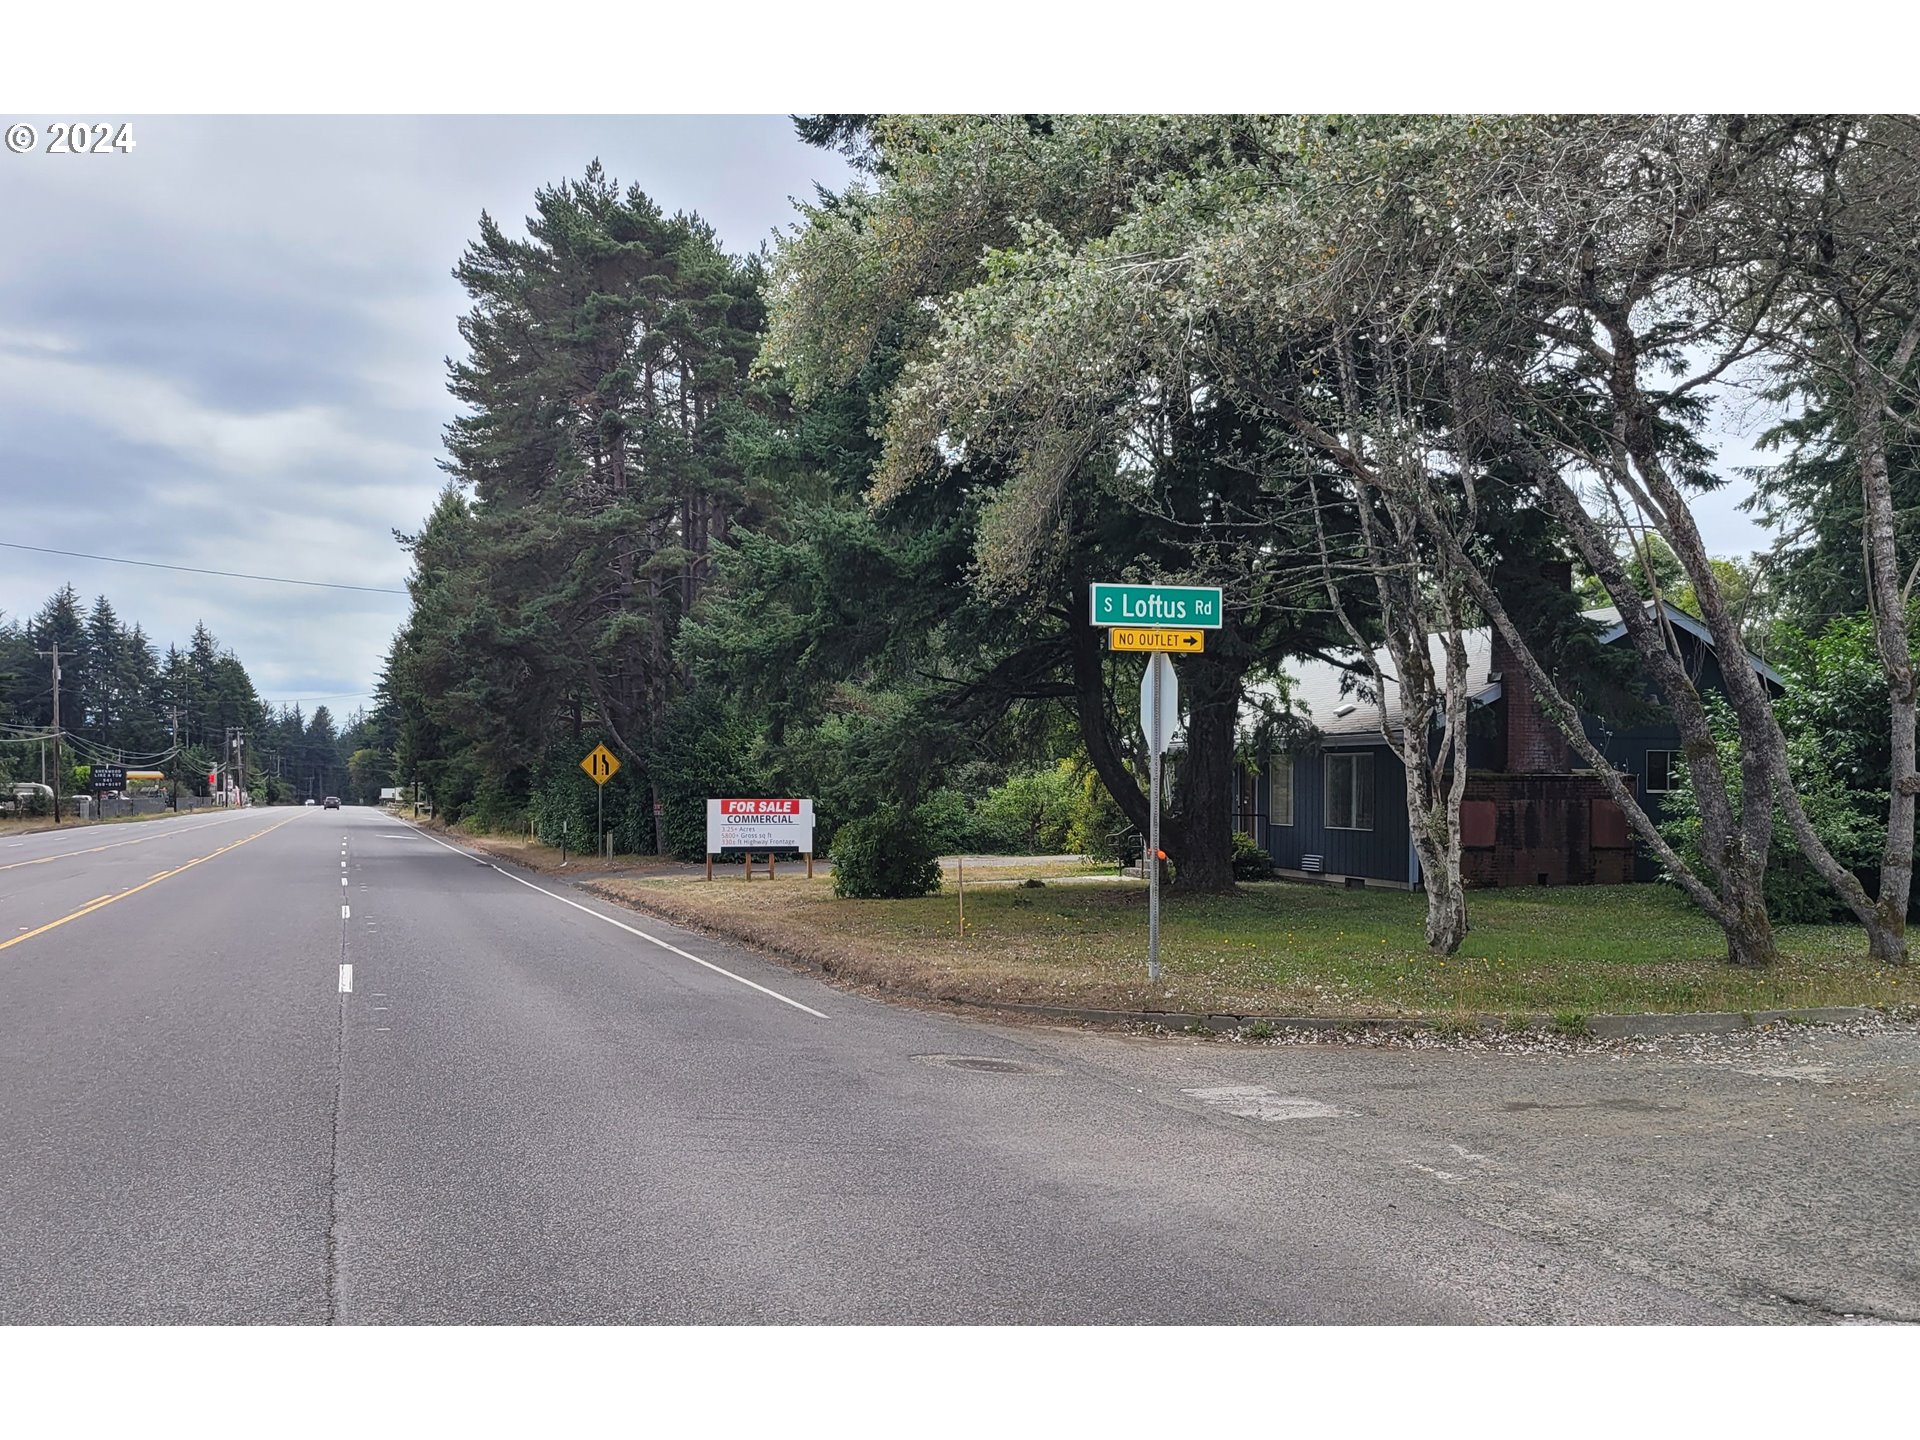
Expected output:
(1191, 607)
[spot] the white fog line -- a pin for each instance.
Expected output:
(650, 939)
(346, 979)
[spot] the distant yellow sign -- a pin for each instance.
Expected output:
(602, 765)
(1187, 642)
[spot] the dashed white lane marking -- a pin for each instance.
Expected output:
(650, 939)
(346, 979)
(343, 882)
(1256, 1102)
(345, 913)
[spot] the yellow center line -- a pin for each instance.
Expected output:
(95, 850)
(106, 900)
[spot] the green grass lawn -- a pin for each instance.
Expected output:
(1295, 948)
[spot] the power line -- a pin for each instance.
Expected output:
(197, 570)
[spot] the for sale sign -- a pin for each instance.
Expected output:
(759, 825)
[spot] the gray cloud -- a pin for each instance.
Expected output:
(227, 349)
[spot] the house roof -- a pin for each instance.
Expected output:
(1616, 627)
(1340, 702)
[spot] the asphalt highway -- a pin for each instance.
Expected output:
(309, 1066)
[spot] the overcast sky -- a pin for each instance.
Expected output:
(226, 350)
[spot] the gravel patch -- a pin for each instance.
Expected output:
(1725, 1047)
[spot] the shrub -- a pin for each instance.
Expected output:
(884, 857)
(1095, 821)
(948, 825)
(1795, 892)
(1250, 860)
(1029, 815)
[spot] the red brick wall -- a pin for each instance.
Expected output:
(1535, 745)
(1544, 825)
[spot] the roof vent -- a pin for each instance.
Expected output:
(1342, 711)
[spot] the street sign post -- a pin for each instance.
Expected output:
(1177, 642)
(1159, 716)
(1194, 607)
(602, 765)
(1160, 619)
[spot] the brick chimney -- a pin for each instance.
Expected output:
(1535, 745)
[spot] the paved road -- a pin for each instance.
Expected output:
(521, 1112)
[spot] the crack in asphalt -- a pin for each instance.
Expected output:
(1833, 1309)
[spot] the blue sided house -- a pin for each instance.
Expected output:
(1335, 808)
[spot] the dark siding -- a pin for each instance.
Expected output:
(1626, 750)
(1378, 854)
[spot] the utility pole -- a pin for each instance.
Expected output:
(54, 655)
(173, 760)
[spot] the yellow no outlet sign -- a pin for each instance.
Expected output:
(1174, 642)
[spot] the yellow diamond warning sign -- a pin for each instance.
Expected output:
(602, 764)
(1188, 642)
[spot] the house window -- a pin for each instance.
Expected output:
(1349, 790)
(1665, 771)
(1280, 790)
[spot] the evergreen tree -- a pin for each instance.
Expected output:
(100, 679)
(607, 355)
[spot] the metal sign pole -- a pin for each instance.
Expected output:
(600, 814)
(1154, 664)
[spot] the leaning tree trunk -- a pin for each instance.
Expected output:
(1887, 940)
(1727, 840)
(1749, 937)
